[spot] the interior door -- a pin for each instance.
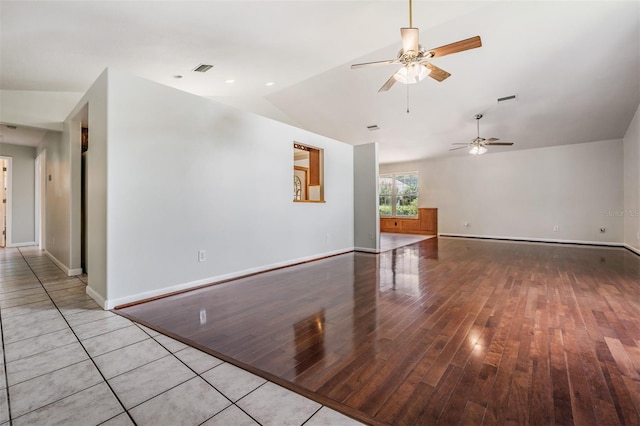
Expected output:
(3, 209)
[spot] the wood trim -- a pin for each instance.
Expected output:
(314, 167)
(425, 224)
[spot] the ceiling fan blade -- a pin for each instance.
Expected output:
(492, 139)
(386, 86)
(436, 73)
(461, 143)
(460, 147)
(459, 46)
(366, 64)
(499, 143)
(410, 37)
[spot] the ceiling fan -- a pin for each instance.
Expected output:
(478, 145)
(413, 57)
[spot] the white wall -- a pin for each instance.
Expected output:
(58, 195)
(524, 194)
(22, 193)
(186, 174)
(365, 190)
(631, 211)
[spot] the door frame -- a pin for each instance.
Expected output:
(41, 198)
(9, 204)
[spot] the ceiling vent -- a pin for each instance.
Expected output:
(508, 99)
(373, 127)
(11, 127)
(203, 68)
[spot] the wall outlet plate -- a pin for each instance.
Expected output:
(202, 255)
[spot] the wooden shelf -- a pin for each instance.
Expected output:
(426, 223)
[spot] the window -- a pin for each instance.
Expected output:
(399, 194)
(308, 173)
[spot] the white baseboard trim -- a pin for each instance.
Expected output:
(366, 250)
(27, 244)
(95, 296)
(535, 240)
(57, 262)
(69, 272)
(112, 303)
(632, 248)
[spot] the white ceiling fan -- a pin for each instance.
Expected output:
(413, 57)
(479, 145)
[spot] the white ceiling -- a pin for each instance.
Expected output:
(574, 65)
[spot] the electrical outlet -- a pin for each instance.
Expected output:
(602, 230)
(556, 228)
(202, 255)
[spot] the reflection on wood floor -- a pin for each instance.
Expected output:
(390, 241)
(446, 330)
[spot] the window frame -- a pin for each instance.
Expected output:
(395, 196)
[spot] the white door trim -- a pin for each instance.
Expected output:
(9, 203)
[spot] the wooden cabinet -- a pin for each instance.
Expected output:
(425, 223)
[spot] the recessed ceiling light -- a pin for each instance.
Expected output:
(177, 76)
(271, 83)
(230, 81)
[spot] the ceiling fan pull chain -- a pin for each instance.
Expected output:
(407, 99)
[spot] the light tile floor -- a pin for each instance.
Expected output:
(65, 361)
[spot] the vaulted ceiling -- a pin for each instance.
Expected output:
(574, 65)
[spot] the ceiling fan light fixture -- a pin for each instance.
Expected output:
(412, 73)
(477, 150)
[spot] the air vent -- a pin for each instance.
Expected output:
(11, 127)
(508, 99)
(203, 68)
(373, 127)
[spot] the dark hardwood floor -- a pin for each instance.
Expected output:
(444, 331)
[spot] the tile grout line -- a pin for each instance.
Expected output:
(311, 416)
(79, 341)
(200, 376)
(4, 366)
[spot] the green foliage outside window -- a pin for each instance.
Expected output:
(399, 195)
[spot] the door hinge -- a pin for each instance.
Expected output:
(4, 201)
(4, 169)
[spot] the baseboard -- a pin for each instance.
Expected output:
(98, 298)
(69, 272)
(366, 250)
(166, 291)
(632, 248)
(27, 244)
(532, 240)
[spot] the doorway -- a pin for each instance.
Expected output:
(41, 198)
(4, 183)
(5, 195)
